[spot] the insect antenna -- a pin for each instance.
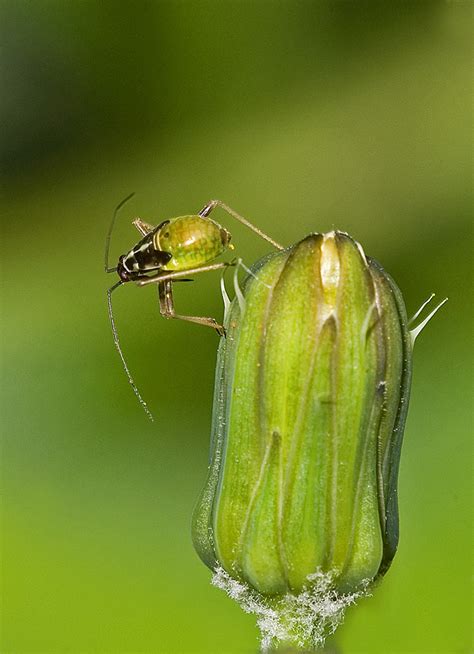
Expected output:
(119, 349)
(108, 269)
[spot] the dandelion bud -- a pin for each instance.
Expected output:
(310, 402)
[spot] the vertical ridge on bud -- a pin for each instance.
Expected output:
(307, 510)
(353, 494)
(244, 461)
(284, 373)
(330, 269)
(312, 386)
(393, 395)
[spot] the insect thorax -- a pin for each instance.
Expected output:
(145, 257)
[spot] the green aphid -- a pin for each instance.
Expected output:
(311, 397)
(168, 253)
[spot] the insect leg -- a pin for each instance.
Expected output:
(165, 294)
(218, 203)
(180, 274)
(143, 227)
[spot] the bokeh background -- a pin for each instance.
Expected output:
(303, 116)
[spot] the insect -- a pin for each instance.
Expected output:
(169, 253)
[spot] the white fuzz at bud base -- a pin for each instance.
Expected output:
(304, 620)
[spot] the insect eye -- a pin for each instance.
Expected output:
(166, 234)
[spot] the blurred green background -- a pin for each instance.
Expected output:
(303, 116)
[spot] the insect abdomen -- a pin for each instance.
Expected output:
(191, 241)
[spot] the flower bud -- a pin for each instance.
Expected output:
(310, 402)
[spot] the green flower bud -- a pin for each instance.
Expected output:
(311, 396)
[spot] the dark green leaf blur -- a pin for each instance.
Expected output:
(303, 116)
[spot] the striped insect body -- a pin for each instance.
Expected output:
(171, 252)
(177, 244)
